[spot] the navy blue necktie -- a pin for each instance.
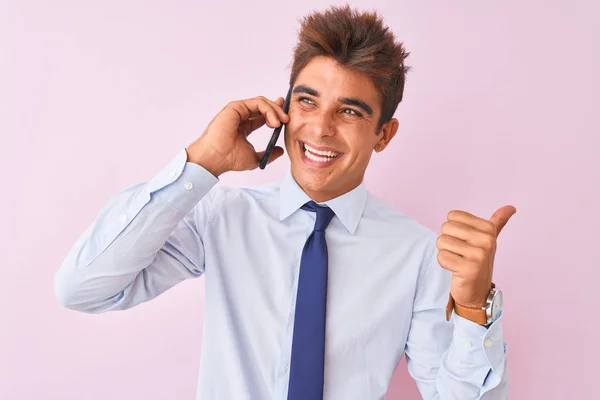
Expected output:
(308, 344)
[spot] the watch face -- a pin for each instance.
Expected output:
(497, 306)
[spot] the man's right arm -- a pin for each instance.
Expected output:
(145, 240)
(150, 237)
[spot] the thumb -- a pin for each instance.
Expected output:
(277, 152)
(501, 217)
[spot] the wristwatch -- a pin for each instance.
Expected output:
(485, 315)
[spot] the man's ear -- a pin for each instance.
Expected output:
(386, 134)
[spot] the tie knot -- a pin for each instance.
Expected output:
(324, 215)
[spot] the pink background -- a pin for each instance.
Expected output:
(501, 108)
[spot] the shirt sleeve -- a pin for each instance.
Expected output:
(145, 240)
(457, 359)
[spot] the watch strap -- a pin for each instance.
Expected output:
(478, 315)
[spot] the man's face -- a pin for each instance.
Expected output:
(332, 133)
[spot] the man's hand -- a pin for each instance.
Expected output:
(467, 246)
(224, 145)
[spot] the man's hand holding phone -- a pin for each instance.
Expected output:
(224, 145)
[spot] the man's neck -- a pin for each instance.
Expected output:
(323, 196)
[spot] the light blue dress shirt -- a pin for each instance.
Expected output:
(387, 293)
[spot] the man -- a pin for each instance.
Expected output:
(314, 287)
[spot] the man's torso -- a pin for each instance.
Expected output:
(252, 259)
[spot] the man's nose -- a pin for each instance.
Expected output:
(323, 124)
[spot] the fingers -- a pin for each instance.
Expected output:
(450, 261)
(466, 218)
(460, 248)
(254, 124)
(277, 152)
(277, 107)
(255, 107)
(469, 234)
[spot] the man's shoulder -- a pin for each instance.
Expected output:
(394, 219)
(230, 197)
(250, 192)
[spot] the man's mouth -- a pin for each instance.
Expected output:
(318, 156)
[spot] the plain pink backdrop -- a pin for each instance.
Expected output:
(501, 107)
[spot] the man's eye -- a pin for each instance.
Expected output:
(351, 112)
(305, 100)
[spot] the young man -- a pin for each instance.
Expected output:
(314, 287)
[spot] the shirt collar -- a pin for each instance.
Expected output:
(348, 207)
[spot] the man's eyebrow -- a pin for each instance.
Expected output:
(306, 89)
(351, 101)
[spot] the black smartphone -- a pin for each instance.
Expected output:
(276, 132)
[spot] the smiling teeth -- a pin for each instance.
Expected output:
(311, 156)
(330, 154)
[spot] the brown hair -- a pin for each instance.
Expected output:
(359, 41)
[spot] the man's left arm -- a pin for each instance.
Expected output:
(458, 359)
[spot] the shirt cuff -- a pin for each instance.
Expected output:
(475, 350)
(182, 184)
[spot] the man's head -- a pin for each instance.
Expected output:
(348, 78)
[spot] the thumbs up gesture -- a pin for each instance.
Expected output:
(467, 246)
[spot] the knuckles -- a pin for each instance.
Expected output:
(440, 241)
(445, 227)
(453, 214)
(480, 254)
(488, 242)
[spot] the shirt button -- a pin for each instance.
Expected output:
(189, 186)
(123, 218)
(173, 174)
(468, 344)
(287, 368)
(488, 343)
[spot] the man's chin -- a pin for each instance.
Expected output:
(313, 182)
